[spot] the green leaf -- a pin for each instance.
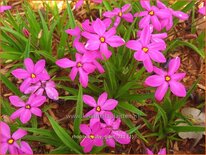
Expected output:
(78, 113)
(162, 113)
(107, 5)
(64, 136)
(10, 85)
(27, 50)
(131, 108)
(46, 55)
(71, 16)
(188, 128)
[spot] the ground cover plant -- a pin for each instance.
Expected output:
(98, 76)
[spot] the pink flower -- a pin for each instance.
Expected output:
(80, 2)
(32, 74)
(41, 87)
(83, 64)
(151, 15)
(168, 22)
(10, 142)
(4, 8)
(94, 136)
(26, 32)
(171, 79)
(202, 10)
(115, 134)
(145, 51)
(27, 109)
(102, 38)
(120, 13)
(100, 107)
(161, 152)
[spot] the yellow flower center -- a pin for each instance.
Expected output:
(145, 49)
(33, 76)
(102, 39)
(28, 106)
(167, 78)
(79, 64)
(98, 108)
(151, 13)
(91, 136)
(120, 14)
(10, 141)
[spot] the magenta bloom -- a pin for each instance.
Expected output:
(24, 148)
(120, 13)
(41, 87)
(168, 22)
(202, 10)
(171, 79)
(161, 152)
(151, 15)
(83, 64)
(94, 136)
(100, 107)
(9, 142)
(4, 8)
(80, 3)
(26, 32)
(102, 38)
(145, 51)
(115, 134)
(27, 109)
(32, 74)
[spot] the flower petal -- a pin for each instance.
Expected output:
(128, 17)
(85, 129)
(159, 71)
(102, 98)
(17, 113)
(134, 45)
(144, 21)
(161, 91)
(145, 36)
(110, 142)
(148, 64)
(25, 148)
(162, 152)
(93, 44)
(28, 63)
(121, 137)
(108, 118)
(73, 73)
(126, 7)
(39, 66)
(145, 4)
(20, 73)
(178, 76)
(83, 78)
(149, 152)
(89, 100)
(52, 93)
(109, 104)
(4, 146)
(156, 23)
(115, 41)
(90, 113)
(36, 111)
(174, 65)
(177, 88)
(25, 116)
(157, 56)
(154, 80)
(90, 36)
(18, 134)
(25, 84)
(99, 27)
(37, 101)
(65, 63)
(110, 32)
(105, 52)
(4, 129)
(16, 101)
